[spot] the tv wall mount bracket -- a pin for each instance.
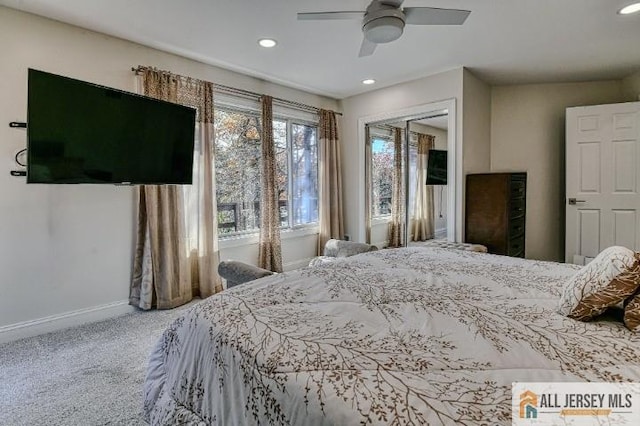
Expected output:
(18, 125)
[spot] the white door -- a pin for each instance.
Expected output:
(603, 179)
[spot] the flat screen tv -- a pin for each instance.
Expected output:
(437, 167)
(79, 132)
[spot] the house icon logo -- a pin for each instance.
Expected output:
(528, 405)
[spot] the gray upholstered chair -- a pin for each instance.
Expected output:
(235, 272)
(339, 248)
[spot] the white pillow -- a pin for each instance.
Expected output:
(607, 280)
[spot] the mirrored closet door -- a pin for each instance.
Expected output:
(385, 181)
(405, 179)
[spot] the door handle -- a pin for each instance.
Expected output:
(573, 201)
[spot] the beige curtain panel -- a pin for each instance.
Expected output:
(423, 224)
(176, 254)
(329, 181)
(396, 225)
(269, 249)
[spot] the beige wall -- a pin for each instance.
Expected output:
(527, 134)
(476, 129)
(67, 248)
(476, 125)
(631, 87)
(438, 87)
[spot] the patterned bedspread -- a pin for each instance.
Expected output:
(403, 336)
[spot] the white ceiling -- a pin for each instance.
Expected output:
(503, 41)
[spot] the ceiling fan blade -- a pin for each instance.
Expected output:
(311, 16)
(434, 16)
(367, 48)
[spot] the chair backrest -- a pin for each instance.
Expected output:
(236, 272)
(340, 248)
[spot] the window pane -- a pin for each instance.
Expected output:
(381, 176)
(305, 174)
(238, 151)
(282, 167)
(238, 168)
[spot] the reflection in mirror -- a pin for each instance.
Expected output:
(389, 207)
(385, 182)
(428, 179)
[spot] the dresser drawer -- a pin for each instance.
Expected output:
(517, 189)
(516, 227)
(517, 208)
(516, 247)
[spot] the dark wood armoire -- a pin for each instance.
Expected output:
(495, 213)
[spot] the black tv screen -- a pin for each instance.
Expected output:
(437, 167)
(79, 132)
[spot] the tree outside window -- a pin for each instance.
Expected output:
(305, 174)
(238, 164)
(382, 151)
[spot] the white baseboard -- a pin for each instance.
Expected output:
(65, 320)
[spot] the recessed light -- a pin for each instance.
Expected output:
(368, 81)
(632, 8)
(267, 42)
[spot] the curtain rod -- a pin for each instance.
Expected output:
(221, 88)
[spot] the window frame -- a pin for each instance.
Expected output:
(383, 217)
(255, 114)
(305, 228)
(290, 123)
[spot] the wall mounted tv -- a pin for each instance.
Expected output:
(78, 132)
(437, 167)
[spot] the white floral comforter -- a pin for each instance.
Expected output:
(404, 336)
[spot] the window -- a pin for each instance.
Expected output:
(382, 151)
(237, 139)
(238, 163)
(304, 170)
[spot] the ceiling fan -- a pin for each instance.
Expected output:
(384, 20)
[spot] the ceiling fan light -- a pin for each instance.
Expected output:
(632, 8)
(384, 29)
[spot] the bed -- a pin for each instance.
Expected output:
(400, 336)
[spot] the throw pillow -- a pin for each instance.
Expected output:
(607, 280)
(632, 313)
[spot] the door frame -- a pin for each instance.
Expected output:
(454, 161)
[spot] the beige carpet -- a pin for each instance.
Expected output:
(88, 375)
